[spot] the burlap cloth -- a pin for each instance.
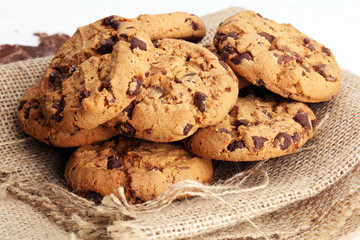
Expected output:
(311, 194)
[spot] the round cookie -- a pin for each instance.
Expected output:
(187, 88)
(260, 126)
(144, 169)
(31, 121)
(95, 75)
(279, 57)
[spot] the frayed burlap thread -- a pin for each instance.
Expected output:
(313, 193)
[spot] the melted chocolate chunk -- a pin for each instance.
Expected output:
(106, 46)
(295, 137)
(57, 116)
(321, 70)
(134, 87)
(84, 94)
(232, 35)
(159, 89)
(125, 129)
(114, 162)
(258, 141)
(199, 101)
(302, 119)
(137, 43)
(240, 122)
(239, 58)
(326, 51)
(129, 109)
(235, 144)
(156, 43)
(105, 84)
(21, 104)
(110, 21)
(187, 128)
(194, 26)
(227, 51)
(284, 139)
(267, 36)
(94, 197)
(283, 58)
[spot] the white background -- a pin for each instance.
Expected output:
(334, 23)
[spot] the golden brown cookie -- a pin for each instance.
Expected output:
(260, 126)
(95, 75)
(187, 88)
(144, 169)
(279, 57)
(31, 121)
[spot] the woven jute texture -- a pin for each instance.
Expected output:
(313, 193)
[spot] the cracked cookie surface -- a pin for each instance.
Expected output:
(279, 57)
(144, 169)
(187, 88)
(95, 75)
(31, 120)
(260, 126)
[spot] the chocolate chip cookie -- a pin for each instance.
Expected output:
(279, 57)
(95, 75)
(32, 121)
(144, 169)
(260, 126)
(187, 88)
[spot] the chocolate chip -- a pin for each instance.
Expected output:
(94, 197)
(187, 128)
(239, 58)
(84, 94)
(105, 84)
(129, 109)
(284, 139)
(114, 162)
(134, 87)
(156, 43)
(176, 80)
(110, 21)
(224, 130)
(137, 43)
(218, 37)
(125, 129)
(227, 50)
(188, 57)
(314, 123)
(321, 70)
(326, 51)
(232, 35)
(267, 36)
(194, 26)
(106, 46)
(235, 144)
(258, 141)
(199, 101)
(302, 119)
(295, 137)
(57, 117)
(298, 58)
(240, 122)
(306, 40)
(267, 113)
(234, 111)
(310, 47)
(283, 58)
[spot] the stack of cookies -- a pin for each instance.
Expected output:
(148, 107)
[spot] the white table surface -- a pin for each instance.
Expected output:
(334, 23)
